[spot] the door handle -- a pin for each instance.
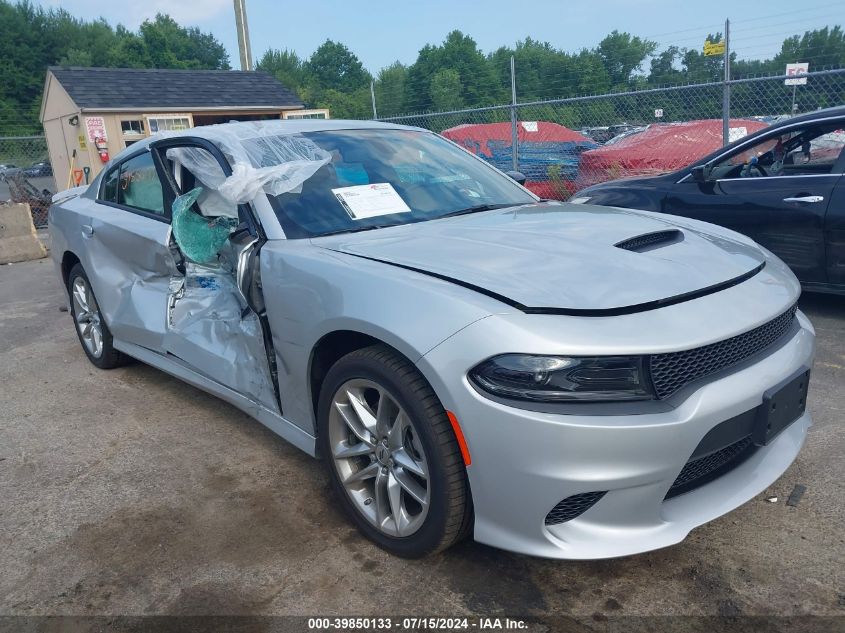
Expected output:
(87, 229)
(805, 199)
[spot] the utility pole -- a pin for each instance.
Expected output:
(514, 131)
(726, 90)
(373, 95)
(243, 34)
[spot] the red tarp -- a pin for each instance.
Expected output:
(548, 152)
(484, 132)
(659, 149)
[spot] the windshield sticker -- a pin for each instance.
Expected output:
(370, 201)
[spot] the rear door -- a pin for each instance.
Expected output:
(776, 190)
(129, 263)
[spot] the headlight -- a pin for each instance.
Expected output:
(563, 378)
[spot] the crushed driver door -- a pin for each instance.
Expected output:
(216, 321)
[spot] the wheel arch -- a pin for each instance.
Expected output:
(69, 260)
(329, 349)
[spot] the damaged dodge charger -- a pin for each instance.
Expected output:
(568, 381)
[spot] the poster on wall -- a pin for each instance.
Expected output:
(96, 128)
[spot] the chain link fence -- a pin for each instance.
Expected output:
(26, 174)
(564, 145)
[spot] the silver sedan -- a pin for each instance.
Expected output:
(568, 381)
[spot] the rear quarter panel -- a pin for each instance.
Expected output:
(65, 220)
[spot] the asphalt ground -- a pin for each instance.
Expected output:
(127, 492)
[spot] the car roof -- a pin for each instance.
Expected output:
(242, 129)
(247, 129)
(837, 111)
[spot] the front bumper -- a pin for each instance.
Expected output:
(525, 462)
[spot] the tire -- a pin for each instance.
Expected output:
(102, 355)
(426, 437)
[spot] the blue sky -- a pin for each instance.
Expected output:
(382, 31)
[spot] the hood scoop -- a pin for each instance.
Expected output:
(651, 241)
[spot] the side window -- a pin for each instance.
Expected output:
(139, 185)
(820, 153)
(804, 151)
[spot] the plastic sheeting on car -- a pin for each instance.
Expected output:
(262, 158)
(210, 328)
(199, 238)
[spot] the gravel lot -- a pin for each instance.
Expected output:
(129, 492)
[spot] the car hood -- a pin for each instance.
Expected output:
(552, 257)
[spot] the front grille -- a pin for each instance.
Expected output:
(573, 506)
(698, 472)
(670, 372)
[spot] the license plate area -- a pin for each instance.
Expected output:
(782, 405)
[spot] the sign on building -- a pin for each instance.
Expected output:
(95, 126)
(794, 72)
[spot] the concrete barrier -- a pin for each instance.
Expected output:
(18, 241)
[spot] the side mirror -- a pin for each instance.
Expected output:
(700, 173)
(518, 176)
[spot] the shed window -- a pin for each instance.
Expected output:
(160, 124)
(132, 127)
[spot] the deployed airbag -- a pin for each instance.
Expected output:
(199, 238)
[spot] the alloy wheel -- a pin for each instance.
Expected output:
(87, 317)
(379, 458)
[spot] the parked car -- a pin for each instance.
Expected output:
(633, 131)
(7, 168)
(621, 128)
(600, 135)
(559, 380)
(37, 170)
(781, 186)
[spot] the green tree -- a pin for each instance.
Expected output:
(446, 90)
(172, 46)
(459, 52)
(346, 105)
(334, 67)
(823, 48)
(33, 38)
(284, 65)
(664, 69)
(77, 57)
(390, 90)
(622, 54)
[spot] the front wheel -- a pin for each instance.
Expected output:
(392, 455)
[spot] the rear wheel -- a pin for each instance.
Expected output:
(93, 333)
(392, 455)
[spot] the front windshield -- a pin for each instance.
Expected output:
(383, 177)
